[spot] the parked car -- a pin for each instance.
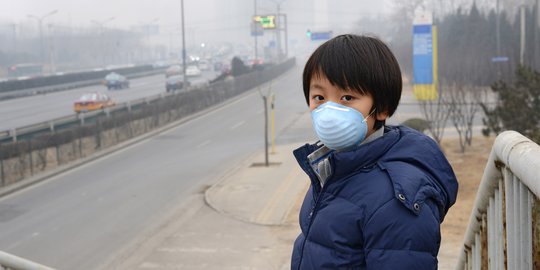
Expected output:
(175, 83)
(114, 80)
(173, 70)
(193, 71)
(92, 101)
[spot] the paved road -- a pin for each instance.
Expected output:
(25, 111)
(82, 218)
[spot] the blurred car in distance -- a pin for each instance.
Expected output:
(92, 101)
(193, 71)
(204, 65)
(175, 83)
(114, 80)
(173, 70)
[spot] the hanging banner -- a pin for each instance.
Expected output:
(425, 58)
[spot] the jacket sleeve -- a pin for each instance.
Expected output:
(398, 238)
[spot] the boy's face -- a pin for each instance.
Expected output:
(321, 91)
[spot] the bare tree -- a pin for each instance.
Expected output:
(464, 102)
(436, 113)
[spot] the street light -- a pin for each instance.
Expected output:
(40, 24)
(183, 45)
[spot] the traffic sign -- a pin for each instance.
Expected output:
(266, 21)
(499, 59)
(321, 35)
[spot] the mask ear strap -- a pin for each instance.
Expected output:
(370, 114)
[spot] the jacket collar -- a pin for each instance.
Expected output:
(346, 162)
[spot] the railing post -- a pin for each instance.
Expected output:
(14, 134)
(535, 216)
(2, 172)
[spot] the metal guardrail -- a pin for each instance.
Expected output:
(12, 262)
(504, 228)
(73, 119)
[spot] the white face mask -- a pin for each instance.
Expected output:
(339, 127)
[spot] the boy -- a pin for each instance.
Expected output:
(378, 193)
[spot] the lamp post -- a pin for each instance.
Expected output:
(278, 28)
(101, 25)
(40, 25)
(183, 46)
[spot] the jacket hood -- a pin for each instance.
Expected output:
(415, 164)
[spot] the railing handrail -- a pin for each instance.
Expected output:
(17, 263)
(515, 152)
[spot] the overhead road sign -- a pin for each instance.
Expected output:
(266, 21)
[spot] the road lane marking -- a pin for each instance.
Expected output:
(203, 144)
(237, 125)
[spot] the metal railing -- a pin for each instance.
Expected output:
(12, 262)
(504, 228)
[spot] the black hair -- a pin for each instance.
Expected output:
(361, 64)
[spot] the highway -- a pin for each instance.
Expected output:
(82, 218)
(20, 112)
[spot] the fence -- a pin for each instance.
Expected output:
(504, 228)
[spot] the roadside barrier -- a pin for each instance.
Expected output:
(504, 228)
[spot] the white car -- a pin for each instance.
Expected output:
(193, 71)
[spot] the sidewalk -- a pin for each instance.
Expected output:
(249, 221)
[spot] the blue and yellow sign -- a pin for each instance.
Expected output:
(425, 61)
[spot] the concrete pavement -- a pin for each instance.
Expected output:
(246, 220)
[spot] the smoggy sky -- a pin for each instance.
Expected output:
(205, 20)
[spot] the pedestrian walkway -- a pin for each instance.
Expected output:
(249, 221)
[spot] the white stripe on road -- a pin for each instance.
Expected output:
(203, 144)
(237, 125)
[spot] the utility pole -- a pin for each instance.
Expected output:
(278, 31)
(286, 36)
(498, 30)
(498, 38)
(14, 41)
(52, 63)
(522, 36)
(278, 28)
(183, 46)
(40, 25)
(537, 37)
(255, 36)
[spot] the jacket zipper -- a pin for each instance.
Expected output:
(311, 215)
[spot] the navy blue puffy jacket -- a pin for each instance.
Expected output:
(381, 208)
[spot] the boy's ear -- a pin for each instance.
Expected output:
(381, 116)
